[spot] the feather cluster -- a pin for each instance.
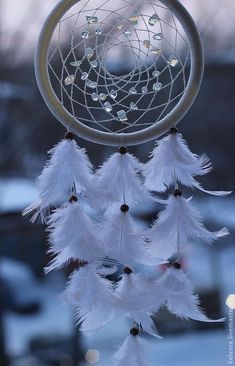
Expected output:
(67, 171)
(178, 224)
(67, 189)
(172, 162)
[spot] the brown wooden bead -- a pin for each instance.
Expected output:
(173, 130)
(177, 265)
(127, 270)
(69, 136)
(73, 199)
(177, 193)
(123, 150)
(134, 331)
(124, 208)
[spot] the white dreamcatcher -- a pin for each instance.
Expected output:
(120, 74)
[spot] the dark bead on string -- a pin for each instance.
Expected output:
(124, 208)
(127, 270)
(73, 199)
(177, 193)
(173, 130)
(177, 265)
(134, 331)
(123, 150)
(69, 136)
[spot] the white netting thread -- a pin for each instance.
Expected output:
(158, 67)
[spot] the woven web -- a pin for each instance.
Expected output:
(119, 66)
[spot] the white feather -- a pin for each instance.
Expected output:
(177, 225)
(119, 180)
(122, 240)
(181, 300)
(72, 235)
(171, 162)
(67, 169)
(135, 299)
(134, 351)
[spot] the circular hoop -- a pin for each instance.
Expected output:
(114, 139)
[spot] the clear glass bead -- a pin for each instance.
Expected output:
(146, 43)
(156, 73)
(85, 34)
(156, 51)
(158, 36)
(133, 106)
(91, 19)
(154, 19)
(89, 52)
(134, 20)
(98, 31)
(70, 79)
(94, 64)
(122, 115)
(144, 90)
(91, 84)
(157, 86)
(84, 76)
(108, 107)
(95, 97)
(173, 61)
(113, 94)
(132, 91)
(102, 96)
(119, 26)
(127, 33)
(76, 63)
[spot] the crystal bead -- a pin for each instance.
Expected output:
(156, 51)
(70, 79)
(91, 84)
(76, 63)
(144, 90)
(127, 33)
(89, 52)
(133, 106)
(94, 64)
(155, 73)
(113, 94)
(91, 19)
(95, 97)
(173, 61)
(122, 115)
(119, 26)
(134, 20)
(158, 36)
(84, 76)
(108, 107)
(85, 34)
(157, 86)
(146, 43)
(132, 91)
(154, 19)
(98, 31)
(102, 96)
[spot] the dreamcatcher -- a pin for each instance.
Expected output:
(121, 73)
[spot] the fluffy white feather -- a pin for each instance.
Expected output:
(119, 180)
(177, 225)
(67, 169)
(92, 297)
(135, 299)
(72, 235)
(123, 241)
(181, 300)
(134, 351)
(171, 162)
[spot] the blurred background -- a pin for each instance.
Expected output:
(35, 329)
